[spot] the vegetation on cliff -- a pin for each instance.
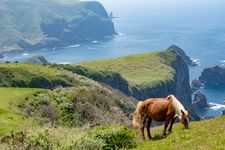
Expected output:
(36, 76)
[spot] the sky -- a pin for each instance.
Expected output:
(164, 7)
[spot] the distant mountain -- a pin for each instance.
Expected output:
(27, 24)
(36, 60)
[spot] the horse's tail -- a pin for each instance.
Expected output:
(137, 121)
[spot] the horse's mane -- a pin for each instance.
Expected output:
(177, 106)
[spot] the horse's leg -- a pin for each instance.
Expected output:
(165, 126)
(143, 127)
(148, 128)
(171, 124)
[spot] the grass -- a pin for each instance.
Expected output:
(205, 135)
(11, 117)
(37, 76)
(140, 69)
(35, 69)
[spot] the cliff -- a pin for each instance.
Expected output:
(53, 23)
(155, 74)
(181, 52)
(213, 76)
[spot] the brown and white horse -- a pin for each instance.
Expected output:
(160, 109)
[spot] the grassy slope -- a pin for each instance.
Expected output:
(22, 75)
(141, 69)
(11, 117)
(206, 134)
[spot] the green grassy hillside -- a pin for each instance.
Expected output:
(11, 118)
(36, 76)
(142, 69)
(207, 134)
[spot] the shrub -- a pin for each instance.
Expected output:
(115, 137)
(41, 140)
(88, 143)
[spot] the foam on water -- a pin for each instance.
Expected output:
(64, 63)
(73, 46)
(94, 42)
(215, 106)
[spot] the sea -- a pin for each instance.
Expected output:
(202, 37)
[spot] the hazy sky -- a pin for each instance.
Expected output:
(164, 7)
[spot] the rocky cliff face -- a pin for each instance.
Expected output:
(213, 76)
(200, 100)
(180, 87)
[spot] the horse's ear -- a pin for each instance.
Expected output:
(169, 97)
(182, 111)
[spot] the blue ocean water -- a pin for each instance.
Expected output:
(202, 38)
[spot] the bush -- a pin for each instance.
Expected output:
(88, 143)
(115, 137)
(41, 140)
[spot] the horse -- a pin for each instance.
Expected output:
(160, 109)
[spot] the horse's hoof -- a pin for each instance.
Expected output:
(163, 136)
(169, 132)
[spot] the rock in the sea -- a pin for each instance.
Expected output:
(181, 52)
(36, 60)
(200, 100)
(213, 76)
(223, 112)
(195, 85)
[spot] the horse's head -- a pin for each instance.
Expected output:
(185, 118)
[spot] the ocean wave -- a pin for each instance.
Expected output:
(215, 106)
(120, 34)
(94, 42)
(222, 61)
(25, 54)
(64, 63)
(73, 46)
(195, 61)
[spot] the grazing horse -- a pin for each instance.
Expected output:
(160, 109)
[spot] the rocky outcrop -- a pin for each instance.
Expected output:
(223, 112)
(195, 85)
(200, 100)
(181, 52)
(213, 76)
